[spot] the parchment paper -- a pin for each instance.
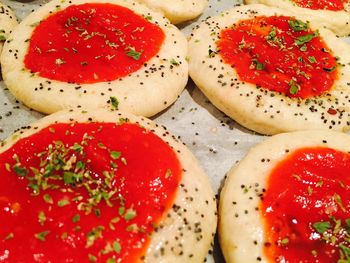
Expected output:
(216, 140)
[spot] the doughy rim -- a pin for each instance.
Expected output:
(143, 92)
(337, 21)
(259, 109)
(178, 11)
(241, 227)
(191, 221)
(8, 21)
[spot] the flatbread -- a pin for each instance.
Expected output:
(178, 11)
(8, 21)
(241, 226)
(147, 91)
(259, 109)
(337, 21)
(187, 230)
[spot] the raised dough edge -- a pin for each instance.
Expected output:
(140, 93)
(187, 231)
(241, 232)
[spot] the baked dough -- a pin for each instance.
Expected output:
(146, 91)
(259, 109)
(178, 11)
(186, 232)
(337, 21)
(8, 21)
(241, 229)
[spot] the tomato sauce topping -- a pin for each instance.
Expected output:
(280, 54)
(306, 207)
(91, 43)
(334, 5)
(84, 193)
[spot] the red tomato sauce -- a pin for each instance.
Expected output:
(334, 5)
(306, 207)
(92, 43)
(280, 54)
(84, 193)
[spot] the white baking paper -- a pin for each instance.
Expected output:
(216, 140)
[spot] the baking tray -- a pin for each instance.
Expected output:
(217, 141)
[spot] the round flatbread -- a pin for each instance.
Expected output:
(8, 21)
(333, 14)
(102, 186)
(178, 11)
(288, 201)
(83, 53)
(267, 69)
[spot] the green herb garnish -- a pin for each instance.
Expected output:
(306, 38)
(130, 214)
(42, 235)
(63, 202)
(116, 247)
(294, 88)
(174, 62)
(284, 241)
(41, 217)
(312, 59)
(20, 171)
(303, 48)
(321, 227)
(76, 218)
(258, 65)
(48, 199)
(92, 258)
(134, 54)
(339, 201)
(115, 155)
(114, 102)
(347, 222)
(92, 235)
(298, 25)
(309, 190)
(272, 35)
(77, 147)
